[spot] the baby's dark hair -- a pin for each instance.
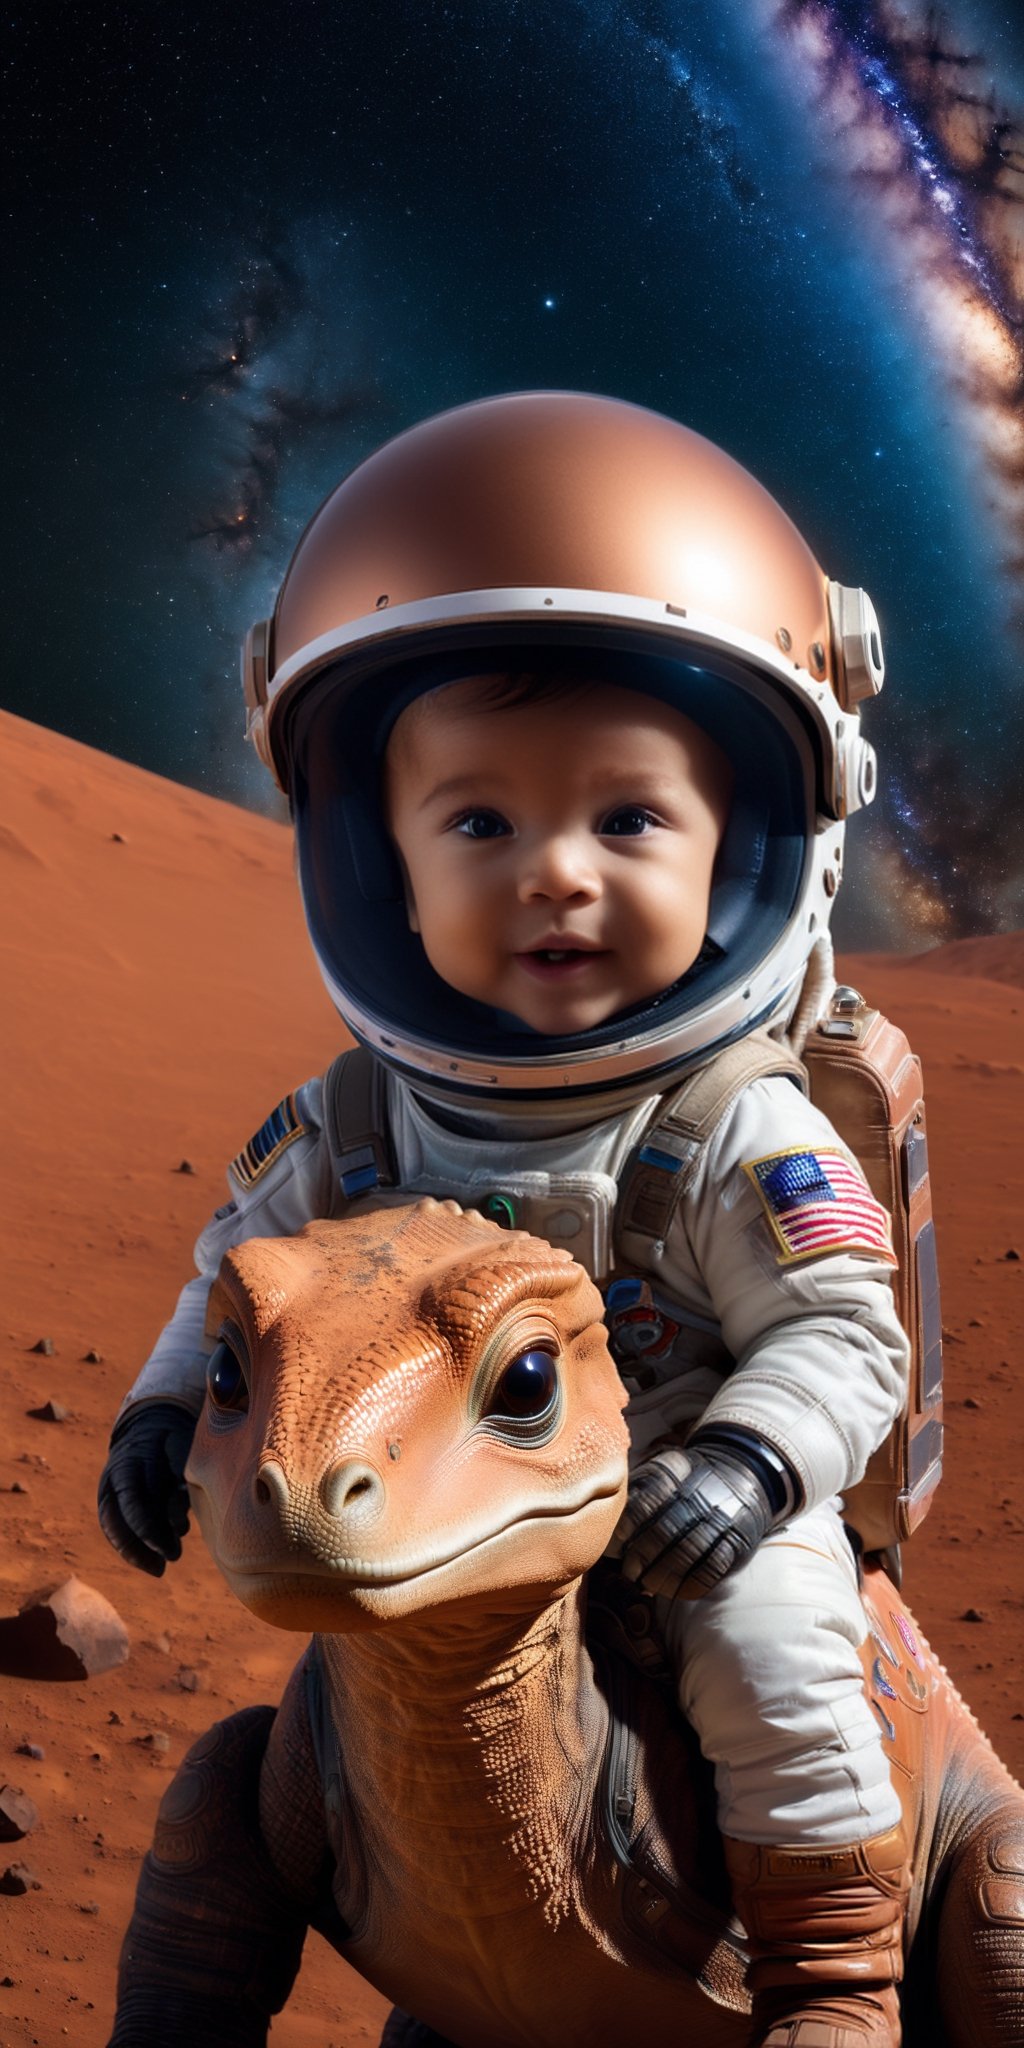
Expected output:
(505, 690)
(528, 686)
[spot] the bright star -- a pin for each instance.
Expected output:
(550, 305)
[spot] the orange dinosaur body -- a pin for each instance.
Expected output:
(419, 1456)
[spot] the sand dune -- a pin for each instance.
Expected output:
(159, 999)
(997, 957)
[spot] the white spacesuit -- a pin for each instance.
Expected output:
(821, 1379)
(745, 1265)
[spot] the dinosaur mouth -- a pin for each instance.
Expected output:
(349, 1573)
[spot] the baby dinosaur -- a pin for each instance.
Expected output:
(413, 1446)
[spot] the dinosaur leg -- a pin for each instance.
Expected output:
(980, 1951)
(213, 1946)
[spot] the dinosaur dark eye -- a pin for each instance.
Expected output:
(527, 1386)
(226, 1383)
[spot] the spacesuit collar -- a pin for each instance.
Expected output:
(530, 1119)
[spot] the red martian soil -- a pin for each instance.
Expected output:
(159, 998)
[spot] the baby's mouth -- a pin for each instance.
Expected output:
(549, 963)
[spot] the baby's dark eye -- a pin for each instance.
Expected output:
(226, 1383)
(482, 825)
(630, 821)
(526, 1387)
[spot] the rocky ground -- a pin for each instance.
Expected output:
(159, 999)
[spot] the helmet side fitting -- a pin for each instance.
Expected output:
(552, 527)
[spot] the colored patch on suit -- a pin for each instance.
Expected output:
(906, 1636)
(817, 1203)
(878, 1678)
(639, 1326)
(280, 1130)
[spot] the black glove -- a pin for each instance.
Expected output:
(694, 1515)
(143, 1499)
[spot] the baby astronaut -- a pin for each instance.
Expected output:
(568, 718)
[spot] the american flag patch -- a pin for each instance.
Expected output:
(282, 1127)
(819, 1202)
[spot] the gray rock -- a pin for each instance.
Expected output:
(63, 1631)
(18, 1814)
(155, 1740)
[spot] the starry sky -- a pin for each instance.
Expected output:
(247, 243)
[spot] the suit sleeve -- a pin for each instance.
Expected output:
(281, 1180)
(792, 1249)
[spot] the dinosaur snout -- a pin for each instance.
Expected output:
(351, 1492)
(352, 1488)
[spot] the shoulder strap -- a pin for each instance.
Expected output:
(356, 1124)
(662, 1166)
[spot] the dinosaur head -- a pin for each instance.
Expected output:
(404, 1408)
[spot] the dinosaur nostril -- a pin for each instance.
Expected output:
(352, 1485)
(271, 1485)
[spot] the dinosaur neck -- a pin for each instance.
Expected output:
(470, 1745)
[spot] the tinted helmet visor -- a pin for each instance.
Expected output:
(350, 875)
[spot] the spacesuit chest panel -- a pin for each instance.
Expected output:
(669, 1352)
(563, 1189)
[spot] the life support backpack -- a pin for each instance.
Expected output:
(868, 1082)
(859, 1070)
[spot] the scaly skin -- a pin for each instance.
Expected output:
(458, 1853)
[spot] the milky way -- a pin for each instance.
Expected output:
(942, 162)
(261, 380)
(934, 162)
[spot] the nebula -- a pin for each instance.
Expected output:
(940, 861)
(915, 127)
(702, 126)
(261, 380)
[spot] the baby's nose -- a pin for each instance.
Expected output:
(559, 869)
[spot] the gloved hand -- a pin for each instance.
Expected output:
(143, 1499)
(695, 1514)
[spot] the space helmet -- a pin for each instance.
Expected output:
(568, 534)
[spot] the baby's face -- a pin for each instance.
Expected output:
(558, 854)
